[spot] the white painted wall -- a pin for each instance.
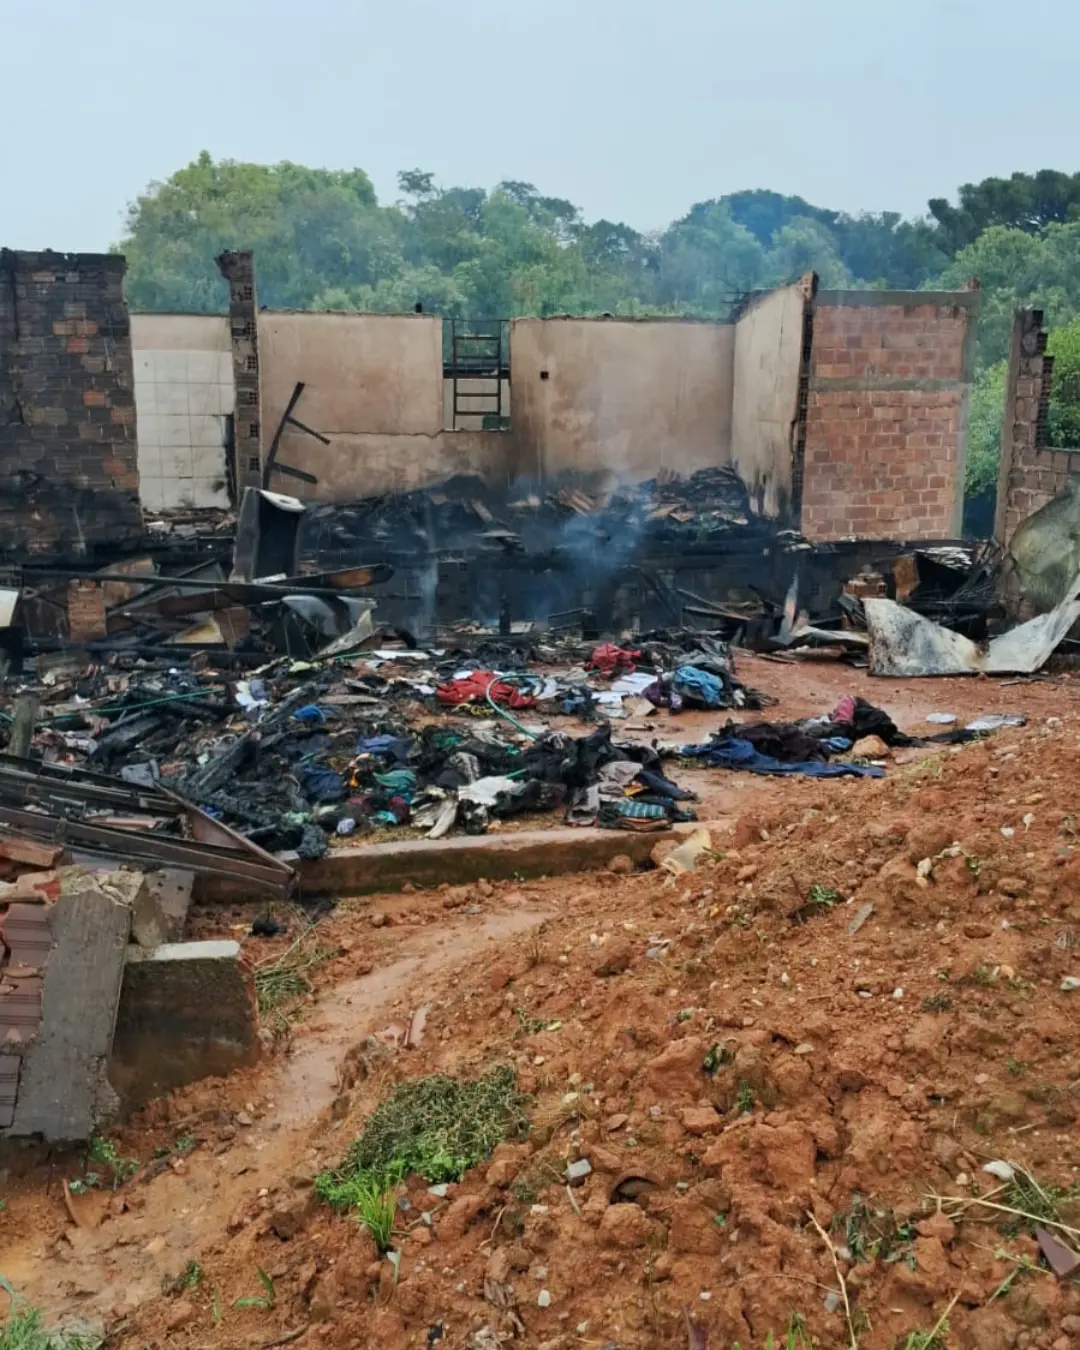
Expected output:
(183, 393)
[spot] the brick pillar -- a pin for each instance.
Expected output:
(1029, 473)
(69, 480)
(238, 269)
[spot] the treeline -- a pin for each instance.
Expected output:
(322, 241)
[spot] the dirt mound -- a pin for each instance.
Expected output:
(830, 1028)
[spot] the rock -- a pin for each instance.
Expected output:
(615, 1122)
(420, 1236)
(625, 1227)
(324, 1299)
(700, 1120)
(937, 1226)
(604, 1159)
(613, 957)
(543, 1299)
(242, 1118)
(501, 1173)
(1014, 887)
(676, 1071)
(930, 1258)
(378, 921)
(978, 930)
(621, 865)
(181, 1314)
(499, 978)
(290, 1218)
(459, 1216)
(576, 1172)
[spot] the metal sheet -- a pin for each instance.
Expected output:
(903, 643)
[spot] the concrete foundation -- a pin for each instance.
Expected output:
(430, 862)
(187, 1011)
(63, 1090)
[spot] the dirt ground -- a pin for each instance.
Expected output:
(746, 1056)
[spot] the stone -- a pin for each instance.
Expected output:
(676, 1071)
(502, 1172)
(613, 958)
(453, 1223)
(625, 1227)
(499, 978)
(576, 1172)
(181, 1315)
(937, 1226)
(699, 1120)
(290, 1218)
(621, 865)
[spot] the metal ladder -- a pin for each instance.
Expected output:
(477, 370)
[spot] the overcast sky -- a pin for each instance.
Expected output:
(633, 109)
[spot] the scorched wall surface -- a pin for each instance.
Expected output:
(623, 398)
(68, 474)
(887, 416)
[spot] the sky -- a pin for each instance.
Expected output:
(633, 109)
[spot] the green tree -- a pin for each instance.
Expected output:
(984, 430)
(1064, 345)
(1025, 201)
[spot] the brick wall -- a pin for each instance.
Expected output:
(68, 475)
(886, 416)
(1029, 473)
(238, 269)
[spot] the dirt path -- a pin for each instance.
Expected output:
(108, 1270)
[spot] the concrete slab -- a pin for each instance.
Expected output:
(63, 1091)
(187, 1011)
(519, 855)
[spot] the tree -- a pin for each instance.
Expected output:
(1063, 345)
(1027, 202)
(984, 430)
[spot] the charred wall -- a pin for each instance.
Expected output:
(69, 479)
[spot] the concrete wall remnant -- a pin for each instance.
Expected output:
(621, 398)
(69, 478)
(187, 1011)
(765, 406)
(1030, 474)
(185, 401)
(62, 1090)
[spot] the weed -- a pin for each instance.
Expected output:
(23, 1328)
(282, 983)
(875, 1234)
(982, 976)
(822, 895)
(437, 1127)
(265, 1300)
(973, 864)
(531, 1025)
(186, 1143)
(716, 1058)
(935, 1338)
(189, 1278)
(1015, 1068)
(103, 1151)
(215, 1306)
(937, 1003)
(744, 1099)
(1042, 1201)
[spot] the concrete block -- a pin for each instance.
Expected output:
(170, 889)
(429, 862)
(187, 1011)
(63, 1090)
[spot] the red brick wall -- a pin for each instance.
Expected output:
(1029, 474)
(886, 416)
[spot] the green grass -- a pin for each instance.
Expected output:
(282, 983)
(744, 1099)
(265, 1300)
(436, 1127)
(24, 1329)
